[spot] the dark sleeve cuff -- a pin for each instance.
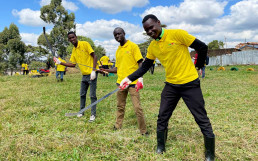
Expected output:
(147, 63)
(201, 48)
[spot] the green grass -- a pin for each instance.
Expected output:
(33, 125)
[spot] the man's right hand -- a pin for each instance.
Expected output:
(125, 83)
(102, 70)
(57, 61)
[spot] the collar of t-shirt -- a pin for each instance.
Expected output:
(161, 34)
(125, 45)
(79, 44)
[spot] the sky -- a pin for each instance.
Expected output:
(230, 21)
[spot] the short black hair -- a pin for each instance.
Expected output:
(71, 32)
(150, 16)
(120, 28)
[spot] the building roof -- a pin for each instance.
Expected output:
(249, 44)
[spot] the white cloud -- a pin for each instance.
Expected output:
(67, 5)
(243, 16)
(103, 29)
(29, 17)
(110, 47)
(206, 19)
(114, 6)
(29, 38)
(102, 32)
(189, 11)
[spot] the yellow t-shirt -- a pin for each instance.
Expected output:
(59, 67)
(104, 60)
(110, 64)
(25, 66)
(172, 51)
(81, 55)
(127, 57)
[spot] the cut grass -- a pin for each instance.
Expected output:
(34, 127)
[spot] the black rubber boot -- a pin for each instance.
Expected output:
(209, 148)
(161, 140)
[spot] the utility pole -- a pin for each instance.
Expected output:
(225, 42)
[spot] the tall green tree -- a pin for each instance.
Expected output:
(35, 53)
(12, 49)
(63, 22)
(215, 44)
(144, 46)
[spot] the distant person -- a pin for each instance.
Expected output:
(48, 64)
(152, 68)
(60, 70)
(104, 61)
(110, 64)
(203, 68)
(83, 54)
(170, 46)
(125, 65)
(25, 69)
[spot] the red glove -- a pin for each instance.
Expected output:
(139, 84)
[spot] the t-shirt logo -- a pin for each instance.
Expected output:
(127, 52)
(171, 43)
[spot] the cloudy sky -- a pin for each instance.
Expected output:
(230, 21)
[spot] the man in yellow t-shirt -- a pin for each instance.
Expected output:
(83, 55)
(128, 60)
(60, 69)
(170, 46)
(104, 61)
(25, 68)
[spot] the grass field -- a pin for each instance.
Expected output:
(33, 125)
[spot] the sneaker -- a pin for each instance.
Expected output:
(146, 134)
(114, 128)
(80, 115)
(92, 118)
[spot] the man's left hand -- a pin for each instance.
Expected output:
(93, 75)
(139, 84)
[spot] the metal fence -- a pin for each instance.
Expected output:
(241, 57)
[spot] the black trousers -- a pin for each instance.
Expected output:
(105, 67)
(192, 96)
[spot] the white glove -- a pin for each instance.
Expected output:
(57, 61)
(93, 75)
(125, 83)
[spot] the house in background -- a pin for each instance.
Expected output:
(240, 47)
(247, 46)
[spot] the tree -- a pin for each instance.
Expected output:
(215, 44)
(63, 22)
(12, 49)
(99, 51)
(35, 53)
(144, 46)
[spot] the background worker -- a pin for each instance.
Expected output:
(60, 69)
(170, 46)
(203, 68)
(152, 68)
(104, 61)
(125, 65)
(83, 54)
(25, 68)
